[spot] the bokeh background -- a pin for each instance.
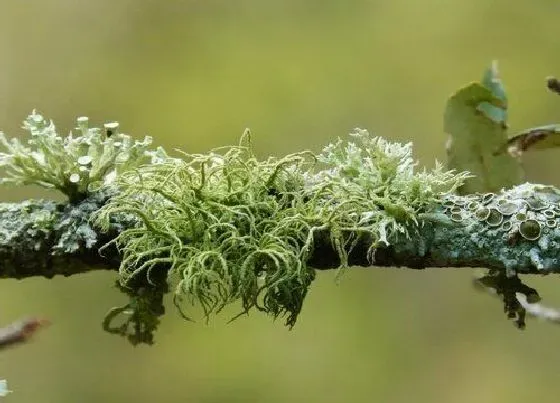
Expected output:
(299, 73)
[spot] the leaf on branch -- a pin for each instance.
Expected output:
(491, 81)
(476, 121)
(536, 138)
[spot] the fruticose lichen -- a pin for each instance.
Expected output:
(233, 227)
(75, 165)
(222, 226)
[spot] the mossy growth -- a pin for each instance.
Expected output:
(75, 165)
(231, 227)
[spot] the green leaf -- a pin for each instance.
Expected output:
(492, 81)
(476, 121)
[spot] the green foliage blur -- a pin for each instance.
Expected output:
(299, 73)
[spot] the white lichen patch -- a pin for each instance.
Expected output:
(73, 164)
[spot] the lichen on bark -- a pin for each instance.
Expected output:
(233, 227)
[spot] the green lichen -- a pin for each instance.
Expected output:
(232, 227)
(75, 165)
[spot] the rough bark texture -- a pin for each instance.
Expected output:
(44, 238)
(513, 232)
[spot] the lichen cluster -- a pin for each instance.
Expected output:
(527, 215)
(223, 226)
(233, 227)
(75, 165)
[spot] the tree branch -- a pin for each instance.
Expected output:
(515, 231)
(44, 238)
(225, 226)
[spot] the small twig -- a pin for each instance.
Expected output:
(20, 331)
(537, 310)
(553, 84)
(519, 300)
(508, 288)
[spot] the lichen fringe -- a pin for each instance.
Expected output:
(232, 227)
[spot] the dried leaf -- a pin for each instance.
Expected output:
(20, 331)
(537, 138)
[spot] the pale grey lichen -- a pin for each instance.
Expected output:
(74, 227)
(75, 165)
(517, 227)
(40, 230)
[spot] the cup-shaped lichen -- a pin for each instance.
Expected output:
(75, 165)
(517, 227)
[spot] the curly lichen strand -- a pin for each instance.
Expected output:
(146, 268)
(222, 205)
(138, 260)
(116, 241)
(141, 214)
(289, 160)
(225, 219)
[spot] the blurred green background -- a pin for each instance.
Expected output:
(299, 73)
